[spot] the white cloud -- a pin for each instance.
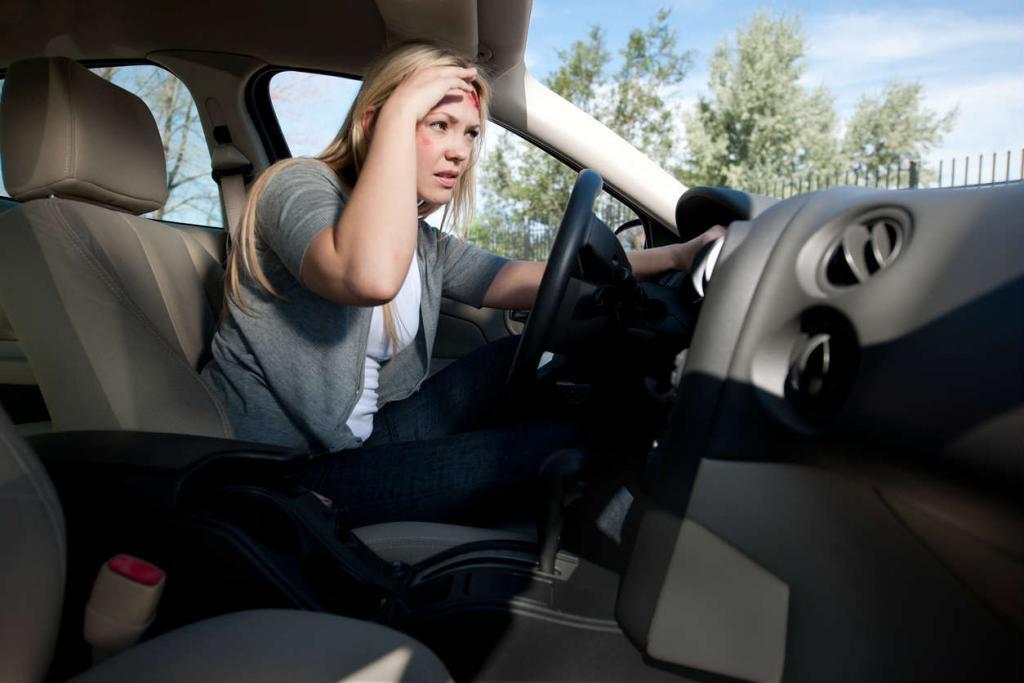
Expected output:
(990, 112)
(857, 39)
(1005, 89)
(851, 52)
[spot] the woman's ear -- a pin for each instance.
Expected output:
(369, 118)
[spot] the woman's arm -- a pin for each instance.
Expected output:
(364, 258)
(515, 285)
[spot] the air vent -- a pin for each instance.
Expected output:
(864, 249)
(811, 365)
(822, 364)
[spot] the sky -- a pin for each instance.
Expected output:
(966, 55)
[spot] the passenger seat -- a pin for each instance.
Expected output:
(259, 646)
(114, 312)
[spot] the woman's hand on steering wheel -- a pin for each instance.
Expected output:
(686, 251)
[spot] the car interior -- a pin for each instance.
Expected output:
(822, 423)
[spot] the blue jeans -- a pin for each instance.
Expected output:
(447, 453)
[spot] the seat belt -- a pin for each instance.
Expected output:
(231, 170)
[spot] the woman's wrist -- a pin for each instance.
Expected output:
(394, 113)
(685, 253)
(688, 251)
(683, 256)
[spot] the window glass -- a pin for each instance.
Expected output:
(310, 108)
(193, 195)
(523, 193)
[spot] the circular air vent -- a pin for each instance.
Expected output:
(811, 365)
(822, 364)
(865, 248)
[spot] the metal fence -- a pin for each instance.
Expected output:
(979, 175)
(997, 170)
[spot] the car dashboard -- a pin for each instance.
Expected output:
(847, 437)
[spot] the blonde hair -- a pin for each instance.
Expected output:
(346, 155)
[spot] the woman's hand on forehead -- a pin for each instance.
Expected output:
(456, 96)
(426, 88)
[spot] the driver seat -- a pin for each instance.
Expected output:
(116, 313)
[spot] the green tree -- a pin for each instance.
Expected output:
(525, 189)
(893, 128)
(637, 111)
(758, 124)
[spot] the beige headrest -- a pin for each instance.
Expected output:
(66, 131)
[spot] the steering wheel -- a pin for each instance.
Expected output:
(562, 262)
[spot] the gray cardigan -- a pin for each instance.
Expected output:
(292, 372)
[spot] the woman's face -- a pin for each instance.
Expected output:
(444, 142)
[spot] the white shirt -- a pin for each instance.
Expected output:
(406, 307)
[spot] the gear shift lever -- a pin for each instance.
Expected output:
(560, 477)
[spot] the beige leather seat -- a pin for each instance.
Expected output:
(115, 312)
(254, 646)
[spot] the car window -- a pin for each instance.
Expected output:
(310, 108)
(522, 195)
(193, 195)
(510, 219)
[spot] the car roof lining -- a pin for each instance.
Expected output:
(103, 29)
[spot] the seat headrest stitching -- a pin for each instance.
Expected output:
(155, 205)
(110, 281)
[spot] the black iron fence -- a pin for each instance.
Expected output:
(967, 174)
(995, 170)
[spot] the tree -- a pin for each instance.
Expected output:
(638, 111)
(759, 124)
(192, 195)
(526, 189)
(892, 128)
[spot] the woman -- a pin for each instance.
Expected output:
(334, 284)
